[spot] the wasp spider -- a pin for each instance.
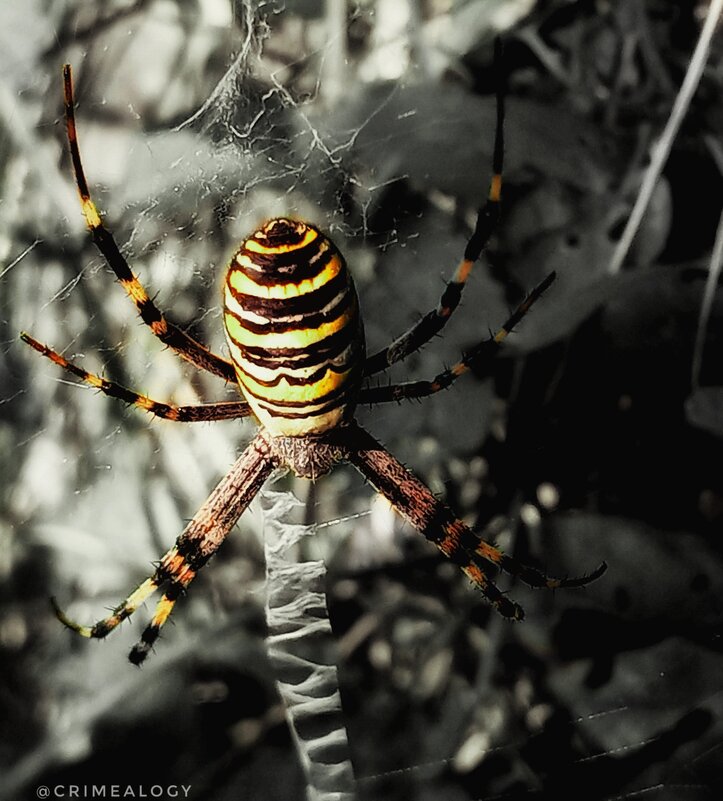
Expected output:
(298, 357)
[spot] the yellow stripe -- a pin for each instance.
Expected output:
(308, 393)
(260, 374)
(496, 188)
(135, 290)
(256, 247)
(463, 271)
(90, 212)
(300, 338)
(163, 610)
(256, 373)
(134, 600)
(139, 595)
(489, 552)
(242, 283)
(178, 567)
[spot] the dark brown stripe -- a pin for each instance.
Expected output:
(303, 358)
(297, 381)
(286, 307)
(339, 392)
(175, 590)
(280, 232)
(288, 258)
(149, 312)
(326, 348)
(286, 268)
(162, 574)
(171, 585)
(307, 413)
(102, 629)
(283, 326)
(140, 650)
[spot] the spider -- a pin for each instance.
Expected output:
(298, 356)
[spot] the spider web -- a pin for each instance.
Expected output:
(441, 699)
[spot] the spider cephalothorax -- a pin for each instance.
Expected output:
(297, 348)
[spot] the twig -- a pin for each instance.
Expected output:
(716, 262)
(661, 150)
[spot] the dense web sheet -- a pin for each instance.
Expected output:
(194, 128)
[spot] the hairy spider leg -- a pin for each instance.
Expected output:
(225, 410)
(487, 216)
(437, 522)
(186, 347)
(474, 358)
(121, 612)
(194, 547)
(297, 344)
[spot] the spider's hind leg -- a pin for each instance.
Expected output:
(122, 612)
(199, 541)
(529, 575)
(152, 631)
(174, 569)
(436, 521)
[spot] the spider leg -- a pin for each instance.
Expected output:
(487, 215)
(478, 355)
(418, 506)
(123, 611)
(183, 414)
(196, 545)
(186, 347)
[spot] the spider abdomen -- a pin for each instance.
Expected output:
(293, 327)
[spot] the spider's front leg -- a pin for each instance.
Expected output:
(436, 521)
(186, 347)
(487, 214)
(199, 541)
(476, 357)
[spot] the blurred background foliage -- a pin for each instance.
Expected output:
(590, 438)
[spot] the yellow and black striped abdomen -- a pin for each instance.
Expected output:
(293, 327)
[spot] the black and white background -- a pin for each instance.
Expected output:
(597, 434)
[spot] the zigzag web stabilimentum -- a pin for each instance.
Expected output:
(303, 653)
